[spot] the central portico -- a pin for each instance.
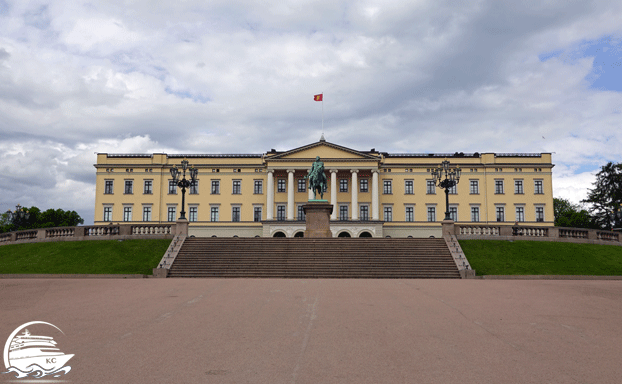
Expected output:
(342, 167)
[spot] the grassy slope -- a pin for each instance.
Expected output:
(94, 256)
(495, 257)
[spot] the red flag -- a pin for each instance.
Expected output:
(318, 97)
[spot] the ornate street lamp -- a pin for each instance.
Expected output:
(183, 183)
(19, 216)
(451, 178)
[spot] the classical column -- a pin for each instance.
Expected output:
(333, 193)
(290, 194)
(270, 202)
(355, 194)
(374, 195)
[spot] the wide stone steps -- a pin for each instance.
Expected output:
(314, 258)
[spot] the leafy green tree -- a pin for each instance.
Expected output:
(28, 218)
(605, 199)
(572, 215)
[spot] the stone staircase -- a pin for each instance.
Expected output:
(314, 258)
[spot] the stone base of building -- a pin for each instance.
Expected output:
(317, 219)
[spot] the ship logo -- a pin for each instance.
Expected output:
(28, 355)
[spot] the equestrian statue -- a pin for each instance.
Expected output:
(317, 178)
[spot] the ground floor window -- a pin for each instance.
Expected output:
(364, 212)
(520, 214)
(235, 213)
(301, 213)
(146, 213)
(214, 214)
(410, 214)
(171, 213)
(475, 214)
(500, 213)
(127, 213)
(388, 213)
(343, 212)
(257, 214)
(431, 213)
(193, 213)
(107, 213)
(280, 212)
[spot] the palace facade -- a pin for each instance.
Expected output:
(373, 193)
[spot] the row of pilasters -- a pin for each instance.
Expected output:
(291, 205)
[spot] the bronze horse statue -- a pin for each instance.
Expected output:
(317, 178)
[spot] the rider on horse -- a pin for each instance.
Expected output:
(317, 178)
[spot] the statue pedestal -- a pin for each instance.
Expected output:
(317, 219)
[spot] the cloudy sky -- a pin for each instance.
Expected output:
(226, 76)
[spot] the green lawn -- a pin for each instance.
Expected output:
(85, 257)
(496, 257)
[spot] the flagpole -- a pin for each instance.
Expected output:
(322, 113)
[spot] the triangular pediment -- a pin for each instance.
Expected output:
(325, 150)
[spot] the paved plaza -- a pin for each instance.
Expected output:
(324, 331)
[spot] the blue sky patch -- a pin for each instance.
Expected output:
(606, 72)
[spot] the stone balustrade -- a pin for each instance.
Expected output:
(525, 232)
(91, 232)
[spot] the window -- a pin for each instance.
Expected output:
(235, 213)
(500, 213)
(498, 187)
(107, 213)
(388, 213)
(453, 213)
(302, 185)
(364, 185)
(108, 187)
(343, 185)
(280, 212)
(518, 187)
(408, 187)
(172, 213)
(194, 187)
(193, 213)
(257, 214)
(237, 187)
(280, 185)
(343, 212)
(539, 213)
(520, 214)
(474, 187)
(475, 214)
(387, 189)
(537, 184)
(410, 214)
(430, 187)
(146, 213)
(215, 187)
(258, 188)
(452, 190)
(129, 187)
(127, 213)
(301, 213)
(431, 213)
(172, 187)
(214, 214)
(364, 212)
(148, 189)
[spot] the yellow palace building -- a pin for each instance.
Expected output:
(373, 193)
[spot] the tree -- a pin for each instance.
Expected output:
(606, 197)
(572, 215)
(28, 218)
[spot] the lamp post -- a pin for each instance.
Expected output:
(19, 216)
(451, 178)
(184, 183)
